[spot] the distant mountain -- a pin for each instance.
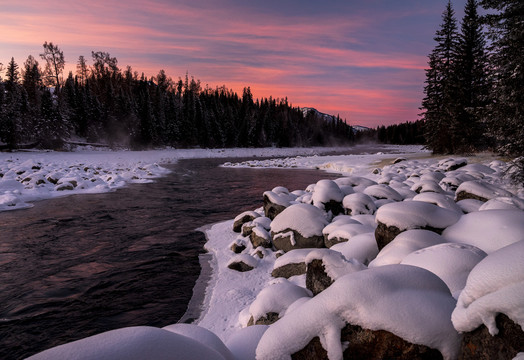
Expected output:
(330, 118)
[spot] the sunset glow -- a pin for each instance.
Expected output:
(363, 61)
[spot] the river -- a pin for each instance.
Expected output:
(76, 266)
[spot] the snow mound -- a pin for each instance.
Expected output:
(450, 262)
(488, 230)
(483, 190)
(359, 203)
(335, 264)
(440, 200)
(495, 285)
(382, 191)
(244, 342)
(276, 298)
(404, 244)
(306, 219)
(415, 214)
(326, 191)
(362, 248)
(407, 301)
(132, 343)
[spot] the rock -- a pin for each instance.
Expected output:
(298, 226)
(452, 164)
(328, 197)
(358, 203)
(370, 344)
(260, 237)
(242, 263)
(479, 344)
(345, 232)
(288, 270)
(396, 217)
(244, 218)
(64, 186)
(479, 190)
(291, 263)
(247, 228)
(316, 278)
(274, 203)
(269, 319)
(385, 234)
(290, 239)
(237, 247)
(399, 159)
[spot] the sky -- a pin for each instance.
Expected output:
(362, 60)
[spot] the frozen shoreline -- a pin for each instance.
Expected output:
(230, 299)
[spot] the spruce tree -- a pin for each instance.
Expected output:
(471, 72)
(439, 104)
(506, 112)
(54, 65)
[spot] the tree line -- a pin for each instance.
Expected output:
(473, 97)
(102, 103)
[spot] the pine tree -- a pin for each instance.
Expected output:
(54, 65)
(81, 69)
(472, 75)
(13, 76)
(439, 104)
(506, 112)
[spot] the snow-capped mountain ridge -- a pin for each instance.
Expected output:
(330, 118)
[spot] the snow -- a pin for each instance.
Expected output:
(276, 298)
(409, 287)
(416, 214)
(450, 262)
(404, 244)
(483, 189)
(408, 301)
(132, 343)
(306, 219)
(488, 230)
(495, 285)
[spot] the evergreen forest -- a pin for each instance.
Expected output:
(103, 104)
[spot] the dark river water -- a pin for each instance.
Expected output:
(80, 265)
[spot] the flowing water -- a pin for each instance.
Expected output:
(76, 266)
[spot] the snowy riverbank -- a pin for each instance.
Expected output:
(26, 177)
(452, 264)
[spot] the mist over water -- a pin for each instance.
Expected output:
(76, 266)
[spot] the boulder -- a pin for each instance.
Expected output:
(247, 228)
(328, 197)
(358, 203)
(298, 226)
(370, 344)
(244, 218)
(479, 190)
(394, 218)
(260, 237)
(275, 203)
(242, 263)
(479, 344)
(316, 278)
(291, 263)
(268, 319)
(238, 246)
(452, 164)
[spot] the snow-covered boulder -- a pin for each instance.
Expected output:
(273, 301)
(424, 186)
(394, 218)
(291, 263)
(438, 199)
(450, 262)
(362, 248)
(324, 266)
(495, 286)
(382, 191)
(243, 218)
(345, 232)
(501, 203)
(298, 226)
(242, 263)
(409, 302)
(260, 237)
(327, 196)
(488, 230)
(358, 183)
(452, 164)
(480, 190)
(133, 343)
(276, 202)
(404, 244)
(358, 203)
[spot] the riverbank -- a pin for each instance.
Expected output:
(449, 280)
(26, 177)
